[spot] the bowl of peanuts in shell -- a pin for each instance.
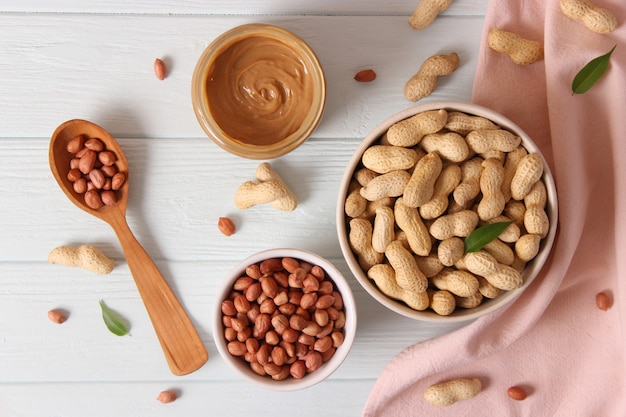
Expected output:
(423, 188)
(284, 319)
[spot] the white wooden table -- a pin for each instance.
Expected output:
(86, 59)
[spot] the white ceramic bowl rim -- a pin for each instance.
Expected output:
(460, 315)
(328, 367)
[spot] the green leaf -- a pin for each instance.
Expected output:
(587, 77)
(113, 321)
(483, 235)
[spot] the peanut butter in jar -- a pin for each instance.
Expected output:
(258, 91)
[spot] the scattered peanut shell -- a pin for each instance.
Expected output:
(270, 188)
(447, 393)
(521, 50)
(426, 12)
(84, 256)
(159, 69)
(167, 396)
(424, 81)
(365, 76)
(595, 18)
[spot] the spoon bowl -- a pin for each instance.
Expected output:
(183, 348)
(60, 162)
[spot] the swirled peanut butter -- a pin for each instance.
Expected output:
(259, 90)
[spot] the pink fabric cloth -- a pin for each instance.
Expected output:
(553, 341)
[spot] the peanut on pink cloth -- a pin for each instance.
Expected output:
(553, 341)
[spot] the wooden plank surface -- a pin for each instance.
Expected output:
(252, 7)
(93, 60)
(100, 68)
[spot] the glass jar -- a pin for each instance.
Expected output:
(258, 91)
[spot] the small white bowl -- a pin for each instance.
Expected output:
(327, 368)
(459, 315)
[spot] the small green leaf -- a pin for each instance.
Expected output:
(587, 77)
(483, 235)
(113, 321)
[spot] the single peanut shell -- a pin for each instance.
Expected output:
(486, 289)
(492, 202)
(360, 238)
(450, 251)
(459, 224)
(596, 19)
(522, 51)
(460, 283)
(83, 256)
(408, 274)
(410, 222)
(355, 204)
(447, 393)
(391, 184)
(528, 172)
(442, 302)
(501, 251)
(424, 82)
(449, 145)
(383, 158)
(472, 301)
(500, 276)
(384, 277)
(409, 132)
(430, 265)
(511, 163)
(270, 188)
(446, 183)
(421, 185)
(527, 246)
(384, 229)
(469, 187)
(485, 140)
(426, 12)
(463, 123)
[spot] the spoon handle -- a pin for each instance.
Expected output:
(181, 344)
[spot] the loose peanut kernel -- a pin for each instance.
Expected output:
(365, 76)
(226, 226)
(517, 393)
(603, 301)
(167, 396)
(57, 316)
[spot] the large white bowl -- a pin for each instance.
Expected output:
(532, 269)
(289, 384)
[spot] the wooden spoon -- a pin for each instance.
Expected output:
(181, 344)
